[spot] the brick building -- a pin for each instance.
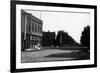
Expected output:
(31, 31)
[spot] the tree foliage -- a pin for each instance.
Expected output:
(85, 38)
(63, 39)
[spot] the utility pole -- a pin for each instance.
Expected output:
(40, 14)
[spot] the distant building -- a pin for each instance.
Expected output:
(31, 30)
(48, 39)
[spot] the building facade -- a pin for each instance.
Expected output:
(31, 31)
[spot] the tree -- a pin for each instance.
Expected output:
(63, 39)
(85, 38)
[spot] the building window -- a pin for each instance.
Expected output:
(40, 29)
(35, 27)
(33, 37)
(32, 27)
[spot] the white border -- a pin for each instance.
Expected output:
(20, 65)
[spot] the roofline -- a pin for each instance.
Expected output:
(39, 20)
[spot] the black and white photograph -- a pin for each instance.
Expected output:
(50, 36)
(54, 36)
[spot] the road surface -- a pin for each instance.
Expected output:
(43, 55)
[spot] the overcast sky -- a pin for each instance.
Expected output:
(70, 22)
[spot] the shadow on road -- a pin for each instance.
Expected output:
(82, 55)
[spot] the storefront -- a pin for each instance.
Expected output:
(31, 31)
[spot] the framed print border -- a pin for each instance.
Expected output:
(13, 35)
